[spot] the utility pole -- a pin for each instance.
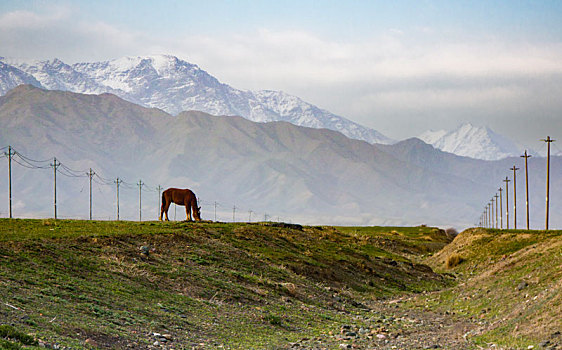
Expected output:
(10, 154)
(90, 175)
(215, 211)
(501, 208)
(526, 156)
(55, 165)
(507, 201)
(489, 216)
(250, 215)
(234, 213)
(265, 216)
(140, 184)
(492, 212)
(514, 197)
(548, 141)
(118, 181)
(496, 196)
(159, 188)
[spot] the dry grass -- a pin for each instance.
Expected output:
(454, 260)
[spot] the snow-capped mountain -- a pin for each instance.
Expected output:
(10, 77)
(174, 85)
(473, 141)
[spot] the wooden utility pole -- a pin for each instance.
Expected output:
(234, 213)
(10, 154)
(548, 141)
(507, 201)
(140, 184)
(514, 197)
(501, 208)
(55, 165)
(118, 181)
(489, 215)
(90, 175)
(526, 156)
(159, 188)
(492, 212)
(250, 215)
(496, 196)
(215, 211)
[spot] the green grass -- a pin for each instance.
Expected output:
(511, 284)
(237, 285)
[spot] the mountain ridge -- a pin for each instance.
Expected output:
(174, 85)
(307, 174)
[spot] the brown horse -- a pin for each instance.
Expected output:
(180, 197)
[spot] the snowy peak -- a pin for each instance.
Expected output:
(173, 85)
(10, 77)
(472, 141)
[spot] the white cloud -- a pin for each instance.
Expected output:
(397, 75)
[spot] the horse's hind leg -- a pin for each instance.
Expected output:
(164, 209)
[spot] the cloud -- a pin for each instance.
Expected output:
(392, 81)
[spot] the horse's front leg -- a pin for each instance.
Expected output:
(188, 212)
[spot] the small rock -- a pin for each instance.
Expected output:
(530, 347)
(345, 346)
(156, 343)
(522, 285)
(544, 344)
(167, 336)
(91, 342)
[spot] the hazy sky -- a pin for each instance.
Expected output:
(400, 67)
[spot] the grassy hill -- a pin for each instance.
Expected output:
(178, 285)
(127, 284)
(510, 282)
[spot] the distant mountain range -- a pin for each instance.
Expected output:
(275, 169)
(472, 141)
(174, 85)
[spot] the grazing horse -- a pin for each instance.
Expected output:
(180, 197)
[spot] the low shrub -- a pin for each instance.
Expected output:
(454, 260)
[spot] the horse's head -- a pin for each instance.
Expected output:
(197, 214)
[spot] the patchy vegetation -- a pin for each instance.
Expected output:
(140, 285)
(510, 284)
(115, 285)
